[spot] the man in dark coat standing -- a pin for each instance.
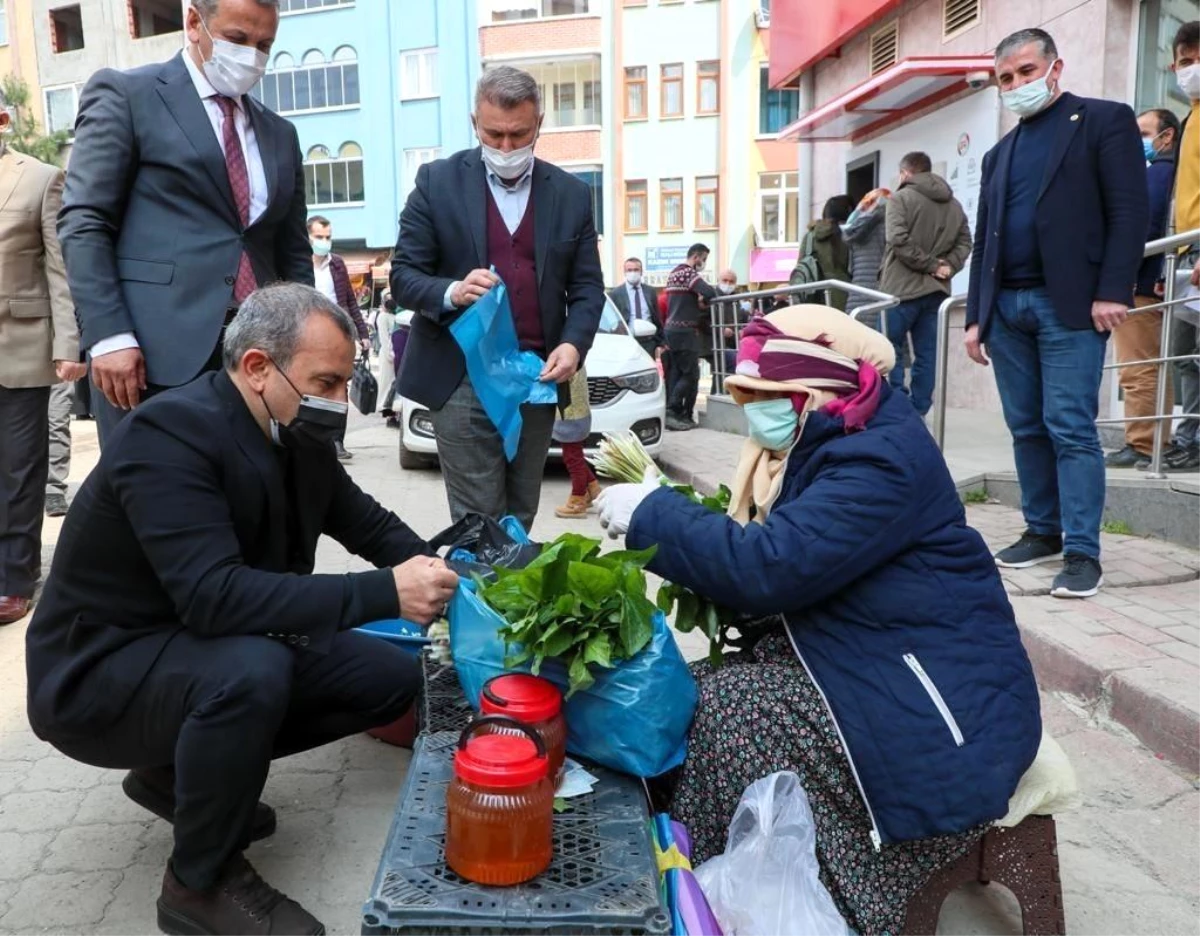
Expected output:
(182, 634)
(1063, 211)
(496, 206)
(183, 195)
(636, 300)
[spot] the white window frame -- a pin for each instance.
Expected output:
(46, 92)
(488, 7)
(327, 65)
(414, 158)
(336, 160)
(577, 78)
(426, 89)
(3, 22)
(340, 5)
(780, 195)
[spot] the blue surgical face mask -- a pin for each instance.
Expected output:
(773, 423)
(1032, 97)
(1148, 148)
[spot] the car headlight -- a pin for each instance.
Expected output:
(641, 382)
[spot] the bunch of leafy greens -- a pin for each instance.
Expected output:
(691, 610)
(575, 605)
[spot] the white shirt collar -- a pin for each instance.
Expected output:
(499, 183)
(323, 262)
(203, 87)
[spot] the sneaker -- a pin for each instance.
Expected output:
(56, 505)
(1029, 550)
(342, 454)
(153, 788)
(575, 507)
(1081, 577)
(1128, 457)
(1183, 459)
(240, 902)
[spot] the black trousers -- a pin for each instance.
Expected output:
(221, 709)
(684, 381)
(24, 465)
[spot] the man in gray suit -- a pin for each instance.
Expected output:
(183, 195)
(635, 300)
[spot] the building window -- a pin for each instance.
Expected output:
(66, 29)
(570, 92)
(1156, 85)
(671, 77)
(636, 221)
(635, 93)
(3, 22)
(708, 87)
(330, 180)
(885, 47)
(776, 109)
(707, 209)
(414, 159)
(779, 208)
(154, 18)
(316, 85)
(309, 6)
(594, 178)
(418, 74)
(62, 104)
(510, 11)
(670, 205)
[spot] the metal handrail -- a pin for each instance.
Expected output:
(1172, 243)
(881, 303)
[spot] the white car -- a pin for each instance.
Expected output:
(625, 390)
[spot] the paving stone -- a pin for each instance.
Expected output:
(299, 791)
(68, 901)
(1189, 634)
(331, 757)
(371, 788)
(22, 853)
(95, 847)
(366, 753)
(43, 809)
(107, 802)
(22, 744)
(11, 775)
(62, 773)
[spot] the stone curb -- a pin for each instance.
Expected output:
(1126, 693)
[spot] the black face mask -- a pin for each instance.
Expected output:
(317, 424)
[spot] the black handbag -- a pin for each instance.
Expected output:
(364, 388)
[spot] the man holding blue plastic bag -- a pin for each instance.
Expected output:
(495, 222)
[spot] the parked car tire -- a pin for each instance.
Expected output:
(412, 461)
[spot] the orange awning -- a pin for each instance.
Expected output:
(887, 98)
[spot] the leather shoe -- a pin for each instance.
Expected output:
(240, 902)
(153, 788)
(12, 608)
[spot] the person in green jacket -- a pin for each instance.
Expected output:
(824, 244)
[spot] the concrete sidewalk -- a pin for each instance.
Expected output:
(1131, 654)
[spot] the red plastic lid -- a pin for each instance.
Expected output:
(528, 699)
(500, 761)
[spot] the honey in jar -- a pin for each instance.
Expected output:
(535, 702)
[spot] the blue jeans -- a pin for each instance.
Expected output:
(1048, 376)
(917, 317)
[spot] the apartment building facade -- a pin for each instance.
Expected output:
(18, 51)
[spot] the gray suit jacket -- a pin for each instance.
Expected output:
(149, 228)
(620, 297)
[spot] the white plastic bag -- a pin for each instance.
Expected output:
(766, 882)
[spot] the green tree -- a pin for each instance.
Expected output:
(24, 135)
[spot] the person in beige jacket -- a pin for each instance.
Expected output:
(39, 346)
(928, 241)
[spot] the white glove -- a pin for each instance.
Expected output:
(617, 503)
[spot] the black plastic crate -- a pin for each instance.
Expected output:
(444, 707)
(603, 878)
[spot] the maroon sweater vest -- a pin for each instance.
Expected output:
(513, 256)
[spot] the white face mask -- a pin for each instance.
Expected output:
(633, 278)
(233, 69)
(1032, 97)
(1189, 81)
(511, 165)
(726, 288)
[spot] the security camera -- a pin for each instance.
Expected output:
(978, 80)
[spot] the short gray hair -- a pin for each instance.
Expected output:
(507, 87)
(208, 8)
(1022, 38)
(272, 318)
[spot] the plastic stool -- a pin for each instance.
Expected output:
(1024, 859)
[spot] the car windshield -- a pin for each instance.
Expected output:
(611, 322)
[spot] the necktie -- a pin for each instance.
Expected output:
(239, 181)
(637, 303)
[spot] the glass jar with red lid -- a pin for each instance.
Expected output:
(533, 701)
(500, 804)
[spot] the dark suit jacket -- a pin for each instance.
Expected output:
(180, 527)
(345, 293)
(443, 237)
(150, 232)
(1092, 213)
(620, 297)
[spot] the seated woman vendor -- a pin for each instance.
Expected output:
(893, 682)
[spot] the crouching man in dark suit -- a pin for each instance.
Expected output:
(182, 633)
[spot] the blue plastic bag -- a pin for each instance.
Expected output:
(634, 718)
(502, 375)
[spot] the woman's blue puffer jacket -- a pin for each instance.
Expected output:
(893, 604)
